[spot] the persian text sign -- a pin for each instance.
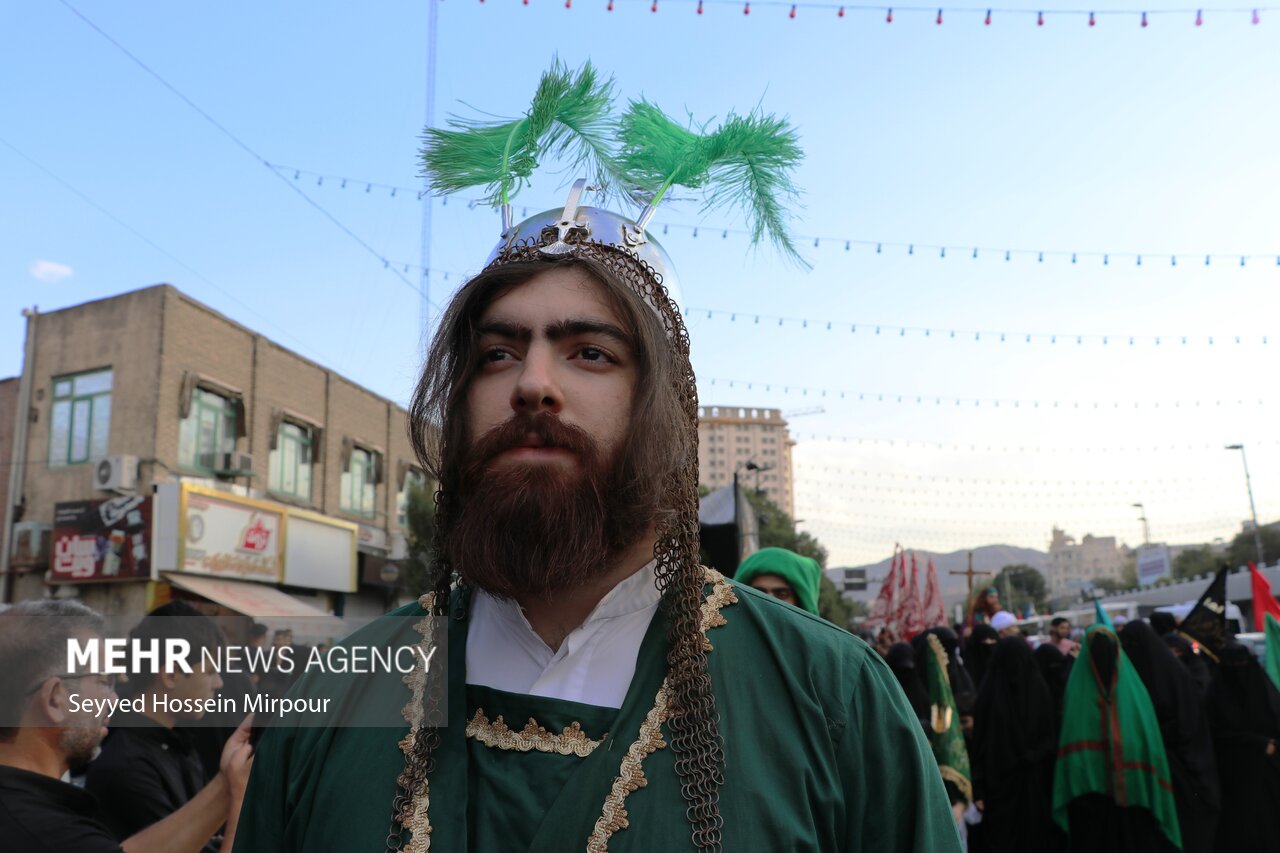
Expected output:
(102, 540)
(1153, 564)
(228, 537)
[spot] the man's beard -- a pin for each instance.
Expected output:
(81, 744)
(537, 529)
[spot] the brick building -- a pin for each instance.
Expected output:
(172, 451)
(730, 437)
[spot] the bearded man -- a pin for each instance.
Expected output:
(603, 691)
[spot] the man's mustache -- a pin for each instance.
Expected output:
(543, 430)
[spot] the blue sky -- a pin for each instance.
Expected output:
(1115, 138)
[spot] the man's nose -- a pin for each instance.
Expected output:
(536, 389)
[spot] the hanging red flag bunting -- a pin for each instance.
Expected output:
(934, 612)
(885, 608)
(1141, 16)
(910, 608)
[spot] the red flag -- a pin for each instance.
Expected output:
(885, 607)
(1263, 602)
(910, 610)
(901, 593)
(935, 613)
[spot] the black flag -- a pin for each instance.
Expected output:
(1207, 621)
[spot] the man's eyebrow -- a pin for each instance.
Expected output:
(580, 326)
(506, 329)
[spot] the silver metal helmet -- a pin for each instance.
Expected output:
(551, 229)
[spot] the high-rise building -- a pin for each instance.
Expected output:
(731, 437)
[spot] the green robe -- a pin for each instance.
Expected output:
(822, 753)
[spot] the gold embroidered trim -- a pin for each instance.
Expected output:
(414, 816)
(630, 775)
(613, 817)
(722, 595)
(572, 741)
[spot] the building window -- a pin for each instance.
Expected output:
(290, 461)
(81, 418)
(359, 483)
(413, 479)
(208, 431)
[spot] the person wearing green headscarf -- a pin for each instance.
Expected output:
(1112, 789)
(785, 575)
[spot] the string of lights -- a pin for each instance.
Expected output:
(987, 447)
(846, 244)
(979, 402)
(933, 495)
(998, 526)
(885, 330)
(1002, 481)
(987, 15)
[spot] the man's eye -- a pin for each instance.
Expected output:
(593, 354)
(496, 355)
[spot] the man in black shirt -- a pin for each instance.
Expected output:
(45, 733)
(149, 768)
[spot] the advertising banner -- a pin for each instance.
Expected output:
(102, 540)
(231, 537)
(1153, 564)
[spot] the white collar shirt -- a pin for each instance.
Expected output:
(595, 663)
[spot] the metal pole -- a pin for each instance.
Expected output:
(18, 457)
(424, 253)
(1253, 512)
(1146, 528)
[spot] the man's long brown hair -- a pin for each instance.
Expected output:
(658, 470)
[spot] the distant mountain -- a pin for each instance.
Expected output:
(988, 558)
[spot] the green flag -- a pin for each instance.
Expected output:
(945, 734)
(1100, 615)
(1273, 649)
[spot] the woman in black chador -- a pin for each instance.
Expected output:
(1244, 716)
(1184, 728)
(1014, 741)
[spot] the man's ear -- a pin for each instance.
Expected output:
(51, 703)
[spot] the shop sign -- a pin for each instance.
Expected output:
(231, 537)
(102, 540)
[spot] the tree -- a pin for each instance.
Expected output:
(833, 606)
(1019, 584)
(778, 530)
(1194, 562)
(421, 514)
(1244, 550)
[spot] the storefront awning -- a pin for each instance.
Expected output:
(264, 604)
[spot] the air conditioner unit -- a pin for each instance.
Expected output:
(232, 464)
(116, 474)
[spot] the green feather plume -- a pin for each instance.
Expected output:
(568, 119)
(746, 163)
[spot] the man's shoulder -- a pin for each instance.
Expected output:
(797, 639)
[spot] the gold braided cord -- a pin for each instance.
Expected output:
(497, 734)
(413, 813)
(631, 774)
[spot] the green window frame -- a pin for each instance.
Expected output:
(209, 429)
(358, 488)
(290, 461)
(80, 417)
(413, 479)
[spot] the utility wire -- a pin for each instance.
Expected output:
(240, 143)
(153, 244)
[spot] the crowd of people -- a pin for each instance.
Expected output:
(1121, 737)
